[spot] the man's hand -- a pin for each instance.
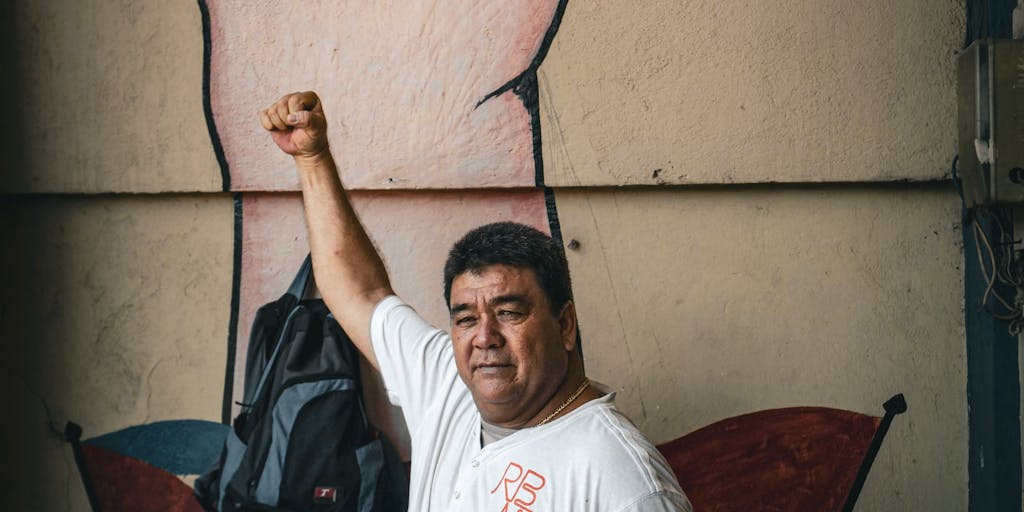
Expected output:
(349, 273)
(297, 124)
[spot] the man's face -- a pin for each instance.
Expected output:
(510, 349)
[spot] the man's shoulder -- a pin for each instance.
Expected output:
(415, 359)
(602, 434)
(603, 423)
(625, 453)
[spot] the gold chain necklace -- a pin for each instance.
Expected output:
(574, 396)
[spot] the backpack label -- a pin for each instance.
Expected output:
(325, 494)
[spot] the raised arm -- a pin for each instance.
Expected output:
(349, 272)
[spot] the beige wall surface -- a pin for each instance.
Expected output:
(113, 98)
(115, 314)
(662, 91)
(698, 303)
(702, 305)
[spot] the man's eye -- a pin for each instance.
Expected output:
(465, 321)
(510, 314)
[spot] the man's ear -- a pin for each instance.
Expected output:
(567, 326)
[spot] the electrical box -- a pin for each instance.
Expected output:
(990, 122)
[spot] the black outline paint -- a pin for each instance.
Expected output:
(236, 258)
(218, 149)
(73, 435)
(236, 284)
(893, 406)
(552, 209)
(542, 52)
(525, 87)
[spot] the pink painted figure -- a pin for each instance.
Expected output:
(405, 79)
(407, 83)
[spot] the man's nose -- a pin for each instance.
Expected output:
(488, 334)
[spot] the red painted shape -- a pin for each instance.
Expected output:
(127, 484)
(793, 459)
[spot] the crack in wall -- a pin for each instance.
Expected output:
(149, 386)
(53, 428)
(618, 312)
(55, 438)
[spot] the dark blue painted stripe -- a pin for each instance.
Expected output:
(182, 447)
(993, 388)
(993, 377)
(989, 18)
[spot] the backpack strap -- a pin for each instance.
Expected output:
(300, 285)
(298, 290)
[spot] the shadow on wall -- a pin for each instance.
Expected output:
(11, 143)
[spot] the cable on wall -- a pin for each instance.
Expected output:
(1000, 262)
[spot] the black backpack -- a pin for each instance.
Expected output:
(302, 441)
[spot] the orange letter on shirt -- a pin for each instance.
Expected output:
(532, 482)
(507, 479)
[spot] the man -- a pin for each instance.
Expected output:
(501, 413)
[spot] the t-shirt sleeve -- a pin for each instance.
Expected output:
(416, 359)
(663, 501)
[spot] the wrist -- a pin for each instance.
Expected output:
(313, 161)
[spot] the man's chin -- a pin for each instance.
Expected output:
(487, 396)
(496, 414)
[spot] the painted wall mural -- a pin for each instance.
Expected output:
(140, 468)
(419, 95)
(438, 97)
(436, 126)
(433, 112)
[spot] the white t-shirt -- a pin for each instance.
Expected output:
(591, 459)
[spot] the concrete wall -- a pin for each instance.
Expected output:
(818, 91)
(111, 95)
(834, 281)
(701, 305)
(115, 312)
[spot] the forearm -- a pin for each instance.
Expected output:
(348, 270)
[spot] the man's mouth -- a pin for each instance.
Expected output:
(491, 367)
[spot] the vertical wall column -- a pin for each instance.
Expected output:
(993, 384)
(993, 374)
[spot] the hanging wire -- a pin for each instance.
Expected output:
(1000, 262)
(1003, 266)
(957, 184)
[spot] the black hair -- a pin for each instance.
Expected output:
(515, 245)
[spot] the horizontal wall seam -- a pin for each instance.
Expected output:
(780, 186)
